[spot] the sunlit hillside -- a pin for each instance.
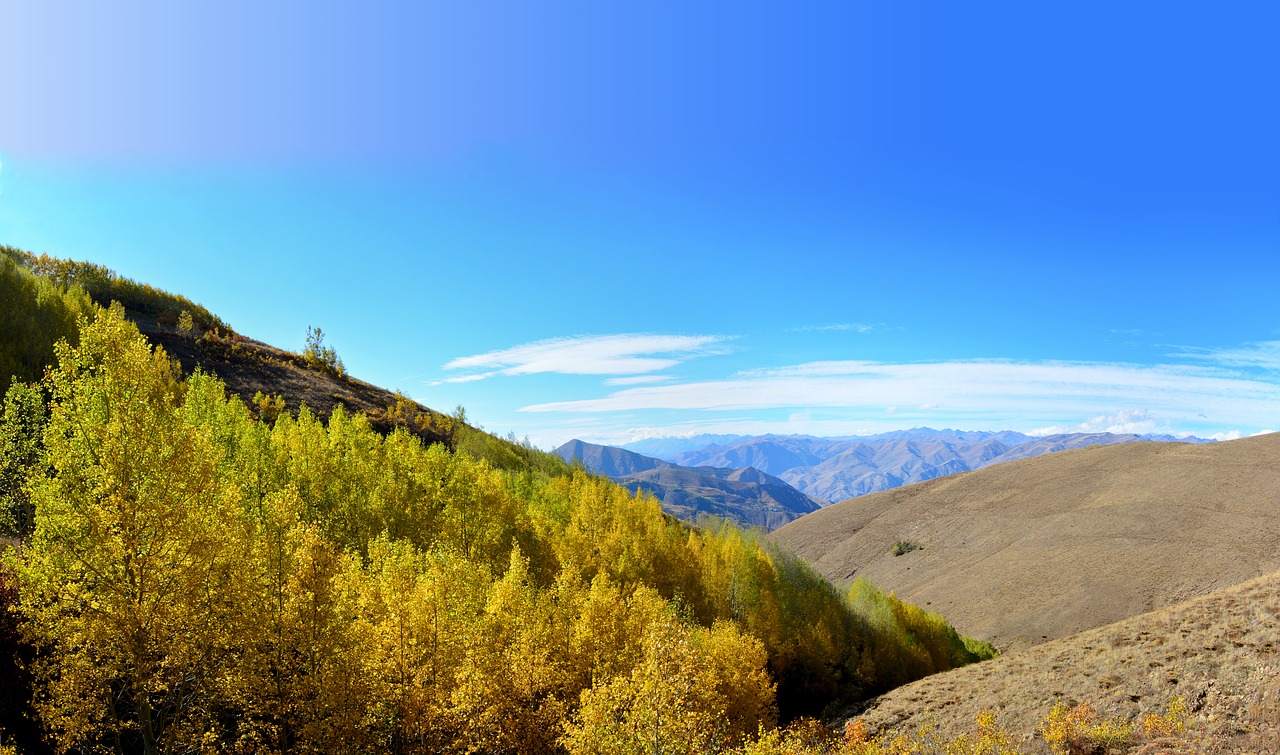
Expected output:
(188, 568)
(1219, 656)
(1042, 548)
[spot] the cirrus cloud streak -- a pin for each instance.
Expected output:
(621, 354)
(995, 389)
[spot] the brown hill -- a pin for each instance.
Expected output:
(1219, 653)
(1042, 548)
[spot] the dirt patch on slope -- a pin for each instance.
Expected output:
(1042, 548)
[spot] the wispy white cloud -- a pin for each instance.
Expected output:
(1136, 421)
(984, 393)
(638, 380)
(464, 378)
(1263, 354)
(622, 354)
(856, 327)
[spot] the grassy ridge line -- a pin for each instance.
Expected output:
(105, 286)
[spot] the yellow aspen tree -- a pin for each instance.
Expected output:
(514, 690)
(301, 683)
(478, 518)
(609, 630)
(416, 609)
(655, 709)
(124, 578)
(735, 667)
(694, 690)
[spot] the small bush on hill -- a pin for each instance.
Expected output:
(317, 354)
(1080, 731)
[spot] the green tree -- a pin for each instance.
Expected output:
(21, 431)
(35, 313)
(317, 354)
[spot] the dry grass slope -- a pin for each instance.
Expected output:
(1042, 548)
(248, 367)
(1220, 653)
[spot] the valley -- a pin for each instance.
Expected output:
(834, 469)
(1126, 573)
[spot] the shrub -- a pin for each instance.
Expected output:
(1173, 722)
(904, 547)
(269, 408)
(1080, 731)
(317, 354)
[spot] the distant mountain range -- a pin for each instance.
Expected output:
(743, 495)
(834, 469)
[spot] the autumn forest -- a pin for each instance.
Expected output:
(186, 571)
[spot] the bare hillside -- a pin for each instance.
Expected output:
(1042, 548)
(248, 367)
(1219, 653)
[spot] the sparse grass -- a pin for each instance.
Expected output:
(1217, 656)
(1075, 731)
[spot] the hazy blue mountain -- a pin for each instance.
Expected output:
(770, 453)
(834, 469)
(608, 460)
(744, 495)
(668, 448)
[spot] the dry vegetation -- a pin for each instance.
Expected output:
(1219, 653)
(249, 367)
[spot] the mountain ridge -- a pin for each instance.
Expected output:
(744, 495)
(838, 468)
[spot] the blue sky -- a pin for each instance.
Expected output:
(608, 221)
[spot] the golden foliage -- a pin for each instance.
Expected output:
(199, 577)
(694, 690)
(1073, 731)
